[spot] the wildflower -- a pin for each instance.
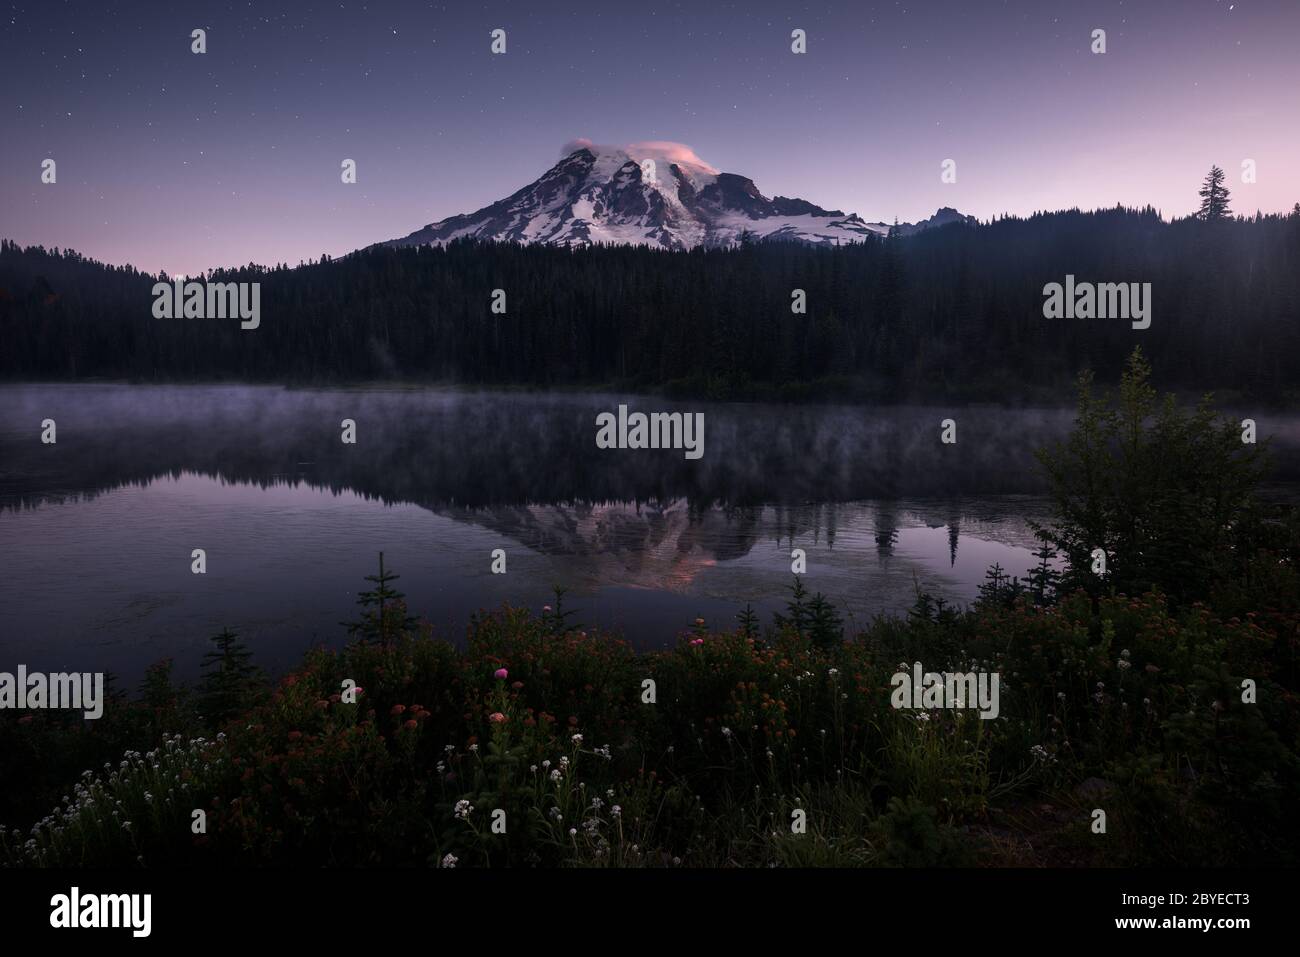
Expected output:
(532, 769)
(833, 672)
(473, 748)
(616, 811)
(463, 810)
(577, 739)
(501, 674)
(697, 641)
(555, 775)
(1040, 753)
(497, 717)
(726, 732)
(699, 621)
(573, 832)
(411, 724)
(451, 860)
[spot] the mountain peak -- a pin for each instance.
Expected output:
(651, 193)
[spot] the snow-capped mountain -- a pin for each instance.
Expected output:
(652, 194)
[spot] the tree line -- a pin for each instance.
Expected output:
(949, 313)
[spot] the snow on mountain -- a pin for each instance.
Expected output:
(652, 194)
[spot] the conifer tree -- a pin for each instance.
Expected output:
(230, 680)
(1214, 197)
(748, 621)
(825, 627)
(1043, 579)
(797, 609)
(383, 614)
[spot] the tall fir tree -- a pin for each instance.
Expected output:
(1214, 197)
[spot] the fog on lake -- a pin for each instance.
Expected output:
(97, 529)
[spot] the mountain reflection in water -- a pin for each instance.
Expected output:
(98, 529)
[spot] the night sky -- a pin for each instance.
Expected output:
(177, 161)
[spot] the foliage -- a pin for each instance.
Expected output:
(1170, 687)
(1214, 196)
(231, 683)
(378, 621)
(554, 729)
(1161, 490)
(950, 313)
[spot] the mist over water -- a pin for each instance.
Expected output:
(97, 530)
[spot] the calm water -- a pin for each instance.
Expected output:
(96, 531)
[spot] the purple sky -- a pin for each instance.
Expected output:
(167, 159)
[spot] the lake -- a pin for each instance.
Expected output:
(97, 529)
